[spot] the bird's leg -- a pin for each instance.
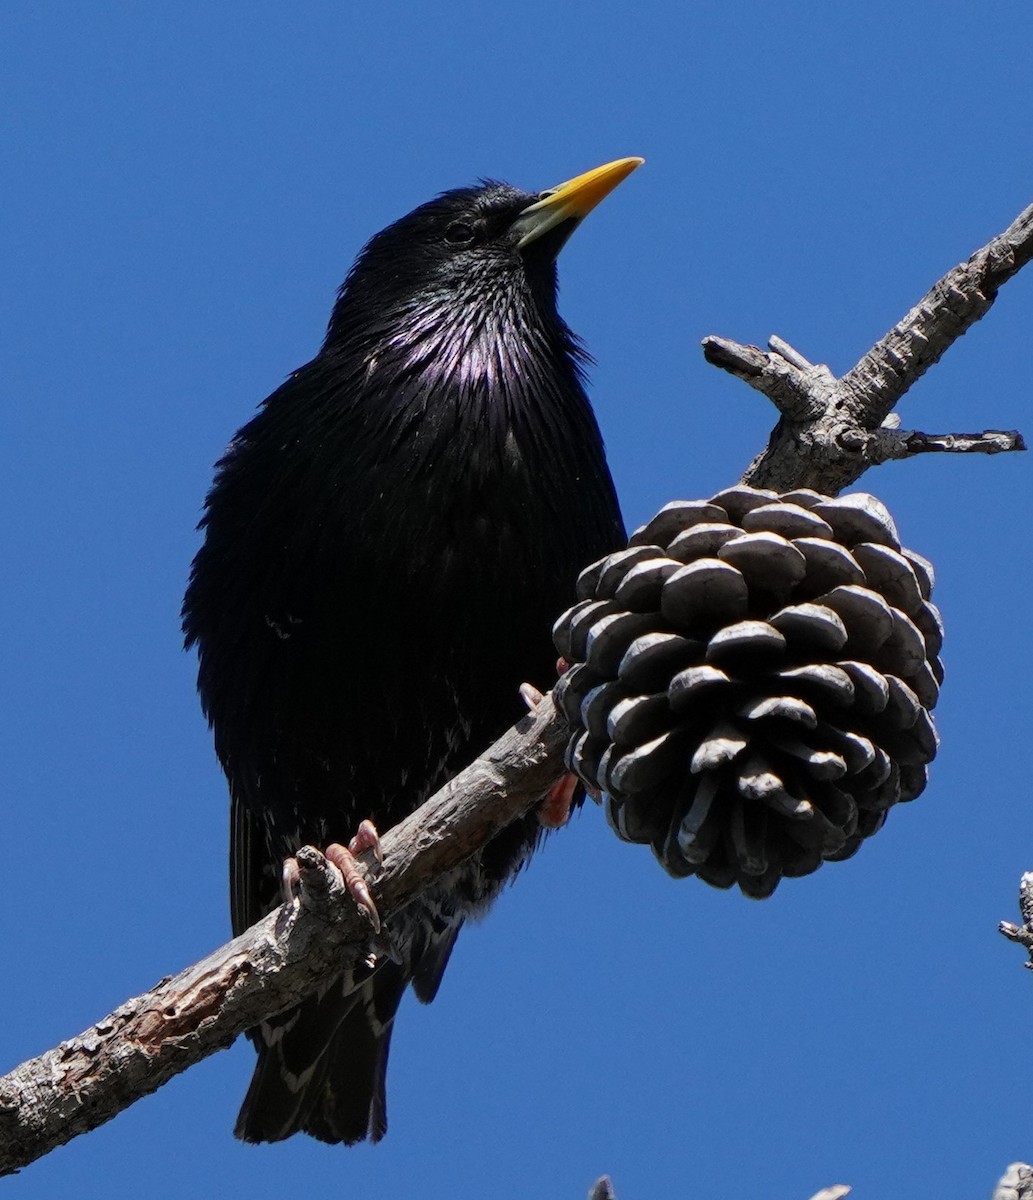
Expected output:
(345, 859)
(554, 810)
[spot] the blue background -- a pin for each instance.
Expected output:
(184, 186)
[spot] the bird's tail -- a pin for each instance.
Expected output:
(322, 1067)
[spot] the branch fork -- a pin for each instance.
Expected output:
(833, 429)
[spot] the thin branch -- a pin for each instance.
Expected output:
(278, 962)
(1023, 934)
(884, 445)
(832, 430)
(794, 357)
(799, 393)
(949, 309)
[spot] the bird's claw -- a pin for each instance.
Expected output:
(533, 696)
(367, 838)
(345, 861)
(352, 875)
(290, 879)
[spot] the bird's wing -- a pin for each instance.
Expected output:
(253, 882)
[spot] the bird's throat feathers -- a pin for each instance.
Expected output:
(454, 369)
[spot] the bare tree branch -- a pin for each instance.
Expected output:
(886, 444)
(1015, 1184)
(145, 1042)
(830, 432)
(1023, 934)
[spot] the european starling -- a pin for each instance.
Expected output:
(387, 544)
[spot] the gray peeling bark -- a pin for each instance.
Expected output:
(833, 429)
(145, 1042)
(830, 432)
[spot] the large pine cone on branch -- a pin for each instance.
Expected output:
(751, 682)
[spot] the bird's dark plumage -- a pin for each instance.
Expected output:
(387, 543)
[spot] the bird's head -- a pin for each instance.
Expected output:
(481, 252)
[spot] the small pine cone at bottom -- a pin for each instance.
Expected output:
(751, 682)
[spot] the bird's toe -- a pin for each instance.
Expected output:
(367, 838)
(354, 880)
(290, 879)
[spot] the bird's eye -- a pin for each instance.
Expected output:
(459, 233)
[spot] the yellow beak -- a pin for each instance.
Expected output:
(571, 201)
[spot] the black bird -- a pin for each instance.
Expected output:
(387, 543)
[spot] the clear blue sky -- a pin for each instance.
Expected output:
(185, 184)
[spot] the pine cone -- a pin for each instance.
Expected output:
(751, 682)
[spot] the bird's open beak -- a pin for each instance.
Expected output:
(571, 201)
